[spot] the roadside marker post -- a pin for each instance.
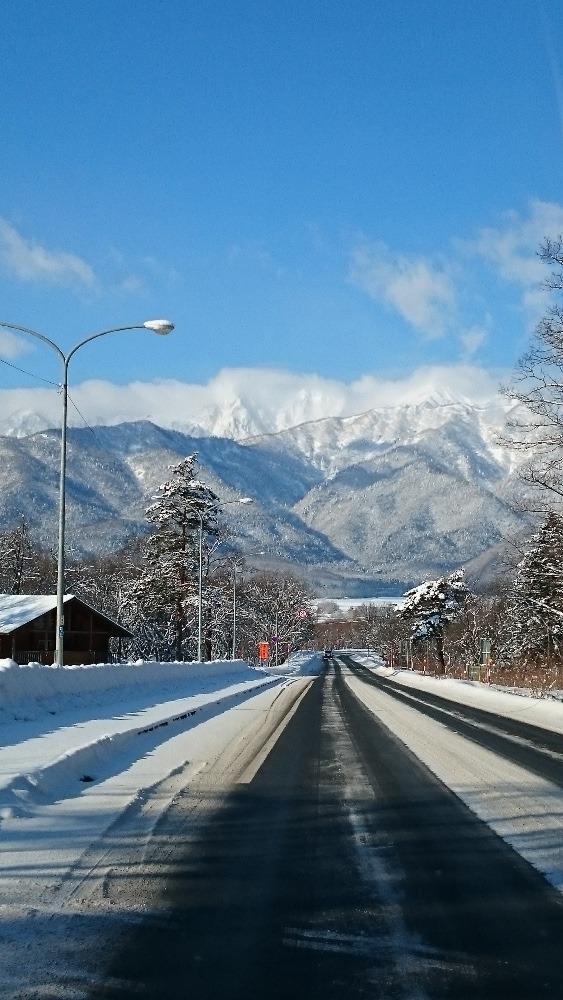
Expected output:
(264, 651)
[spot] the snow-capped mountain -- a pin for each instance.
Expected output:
(337, 442)
(237, 420)
(242, 403)
(385, 498)
(411, 491)
(21, 423)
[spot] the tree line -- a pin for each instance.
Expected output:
(441, 626)
(520, 623)
(151, 586)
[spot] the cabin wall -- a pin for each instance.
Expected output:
(86, 638)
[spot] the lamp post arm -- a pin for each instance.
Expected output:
(96, 336)
(39, 336)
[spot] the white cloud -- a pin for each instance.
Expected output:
(11, 346)
(252, 400)
(31, 262)
(420, 291)
(472, 339)
(513, 248)
(131, 285)
(423, 290)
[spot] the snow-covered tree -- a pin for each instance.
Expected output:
(537, 599)
(538, 385)
(432, 606)
(24, 566)
(110, 584)
(377, 627)
(274, 607)
(218, 615)
(482, 617)
(183, 507)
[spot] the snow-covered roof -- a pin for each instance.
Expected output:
(19, 609)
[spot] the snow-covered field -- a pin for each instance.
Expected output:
(91, 759)
(334, 607)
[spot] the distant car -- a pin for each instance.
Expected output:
(327, 654)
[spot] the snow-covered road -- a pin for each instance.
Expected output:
(91, 758)
(523, 808)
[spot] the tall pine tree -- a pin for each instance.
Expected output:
(537, 604)
(182, 508)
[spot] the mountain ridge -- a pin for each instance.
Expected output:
(379, 499)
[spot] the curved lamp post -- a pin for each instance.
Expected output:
(200, 514)
(235, 565)
(160, 326)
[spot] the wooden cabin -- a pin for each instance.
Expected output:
(28, 628)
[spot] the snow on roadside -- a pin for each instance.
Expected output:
(40, 764)
(55, 765)
(62, 725)
(142, 732)
(68, 732)
(298, 664)
(545, 713)
(41, 687)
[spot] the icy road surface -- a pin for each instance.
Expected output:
(91, 759)
(522, 807)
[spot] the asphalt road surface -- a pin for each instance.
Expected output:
(538, 750)
(345, 869)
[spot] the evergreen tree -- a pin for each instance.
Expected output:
(537, 600)
(184, 511)
(432, 606)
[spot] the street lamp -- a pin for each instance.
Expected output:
(234, 566)
(234, 563)
(199, 514)
(160, 326)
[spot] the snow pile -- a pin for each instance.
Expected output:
(67, 727)
(303, 663)
(97, 736)
(40, 686)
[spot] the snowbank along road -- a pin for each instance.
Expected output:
(232, 833)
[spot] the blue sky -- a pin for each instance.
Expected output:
(332, 189)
